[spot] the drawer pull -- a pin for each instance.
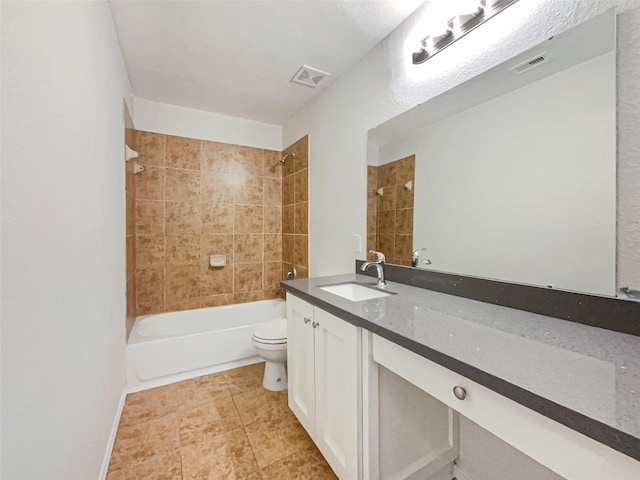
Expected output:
(306, 320)
(460, 393)
(315, 324)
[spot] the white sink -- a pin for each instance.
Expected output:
(354, 291)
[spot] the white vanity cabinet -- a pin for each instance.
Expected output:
(323, 356)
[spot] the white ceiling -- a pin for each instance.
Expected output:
(237, 57)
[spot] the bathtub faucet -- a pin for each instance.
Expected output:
(378, 265)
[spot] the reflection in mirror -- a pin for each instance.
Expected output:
(515, 173)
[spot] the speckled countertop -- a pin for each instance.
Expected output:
(584, 377)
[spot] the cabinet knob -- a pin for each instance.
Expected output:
(306, 320)
(315, 324)
(459, 392)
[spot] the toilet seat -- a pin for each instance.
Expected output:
(272, 333)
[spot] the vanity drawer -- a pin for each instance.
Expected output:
(565, 451)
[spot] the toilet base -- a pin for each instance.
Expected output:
(275, 376)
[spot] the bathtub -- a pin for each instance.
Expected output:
(168, 347)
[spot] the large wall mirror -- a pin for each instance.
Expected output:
(511, 175)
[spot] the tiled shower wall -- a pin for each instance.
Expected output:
(295, 210)
(198, 198)
(390, 215)
(130, 196)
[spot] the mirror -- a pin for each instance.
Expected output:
(511, 175)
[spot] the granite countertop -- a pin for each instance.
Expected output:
(584, 377)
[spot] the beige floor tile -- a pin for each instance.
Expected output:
(261, 404)
(208, 420)
(201, 390)
(227, 456)
(246, 378)
(163, 466)
(149, 404)
(303, 465)
(141, 442)
(273, 440)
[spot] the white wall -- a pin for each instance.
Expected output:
(187, 122)
(385, 83)
(522, 187)
(63, 238)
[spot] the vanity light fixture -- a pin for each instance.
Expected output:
(473, 13)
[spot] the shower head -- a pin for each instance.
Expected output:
(290, 154)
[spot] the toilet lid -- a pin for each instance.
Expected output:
(273, 331)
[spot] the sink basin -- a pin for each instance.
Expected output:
(354, 291)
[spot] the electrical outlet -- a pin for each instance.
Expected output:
(357, 243)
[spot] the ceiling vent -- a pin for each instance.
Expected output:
(308, 76)
(530, 64)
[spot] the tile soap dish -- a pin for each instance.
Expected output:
(217, 260)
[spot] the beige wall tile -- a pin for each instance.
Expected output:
(248, 160)
(288, 190)
(403, 247)
(404, 197)
(387, 201)
(271, 294)
(181, 282)
(217, 300)
(405, 170)
(288, 246)
(288, 167)
(386, 244)
(386, 222)
(218, 157)
(272, 191)
(404, 221)
(149, 217)
(301, 149)
(216, 218)
(247, 277)
(216, 280)
(272, 247)
(387, 174)
(247, 248)
(178, 304)
(149, 290)
(300, 250)
(248, 219)
(248, 190)
(149, 251)
(247, 297)
(131, 255)
(182, 218)
(301, 186)
(272, 275)
(150, 148)
(150, 184)
(216, 245)
(288, 219)
(182, 250)
(130, 215)
(182, 185)
(272, 163)
(301, 218)
(272, 219)
(181, 152)
(217, 187)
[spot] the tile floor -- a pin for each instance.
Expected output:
(220, 426)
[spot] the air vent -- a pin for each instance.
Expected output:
(308, 76)
(530, 64)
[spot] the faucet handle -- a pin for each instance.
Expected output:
(416, 253)
(380, 256)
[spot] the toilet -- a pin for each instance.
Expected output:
(270, 341)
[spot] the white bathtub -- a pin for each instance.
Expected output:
(167, 347)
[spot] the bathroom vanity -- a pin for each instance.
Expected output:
(380, 384)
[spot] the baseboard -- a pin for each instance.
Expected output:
(159, 382)
(112, 436)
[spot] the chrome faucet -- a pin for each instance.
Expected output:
(415, 256)
(378, 265)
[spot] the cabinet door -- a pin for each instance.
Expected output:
(300, 362)
(337, 349)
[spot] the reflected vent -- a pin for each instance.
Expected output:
(530, 64)
(309, 77)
